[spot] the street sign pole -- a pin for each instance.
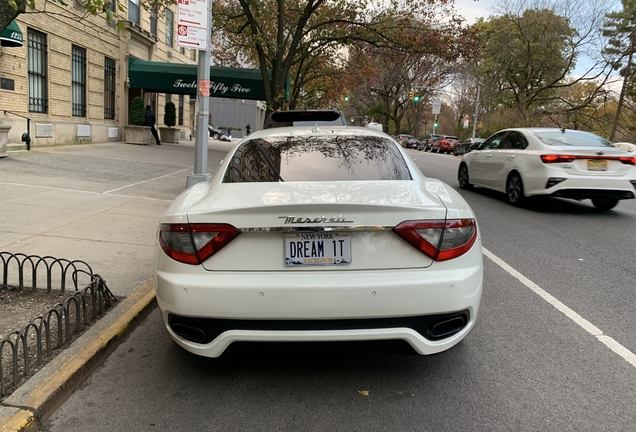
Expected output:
(200, 173)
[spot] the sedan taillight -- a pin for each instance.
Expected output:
(194, 243)
(439, 239)
(556, 158)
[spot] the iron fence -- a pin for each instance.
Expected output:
(23, 352)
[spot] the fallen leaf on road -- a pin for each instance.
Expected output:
(364, 392)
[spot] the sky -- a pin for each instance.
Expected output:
(471, 10)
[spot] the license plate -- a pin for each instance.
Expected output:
(324, 248)
(596, 165)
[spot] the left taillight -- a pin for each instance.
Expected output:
(194, 243)
(440, 239)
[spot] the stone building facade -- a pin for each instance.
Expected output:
(70, 76)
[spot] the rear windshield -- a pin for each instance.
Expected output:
(572, 138)
(317, 158)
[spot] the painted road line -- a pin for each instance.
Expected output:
(612, 344)
(149, 180)
(84, 191)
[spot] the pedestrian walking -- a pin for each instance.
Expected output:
(248, 129)
(150, 121)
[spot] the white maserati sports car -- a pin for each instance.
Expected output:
(318, 234)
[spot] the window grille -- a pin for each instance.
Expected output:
(78, 79)
(169, 27)
(133, 11)
(109, 88)
(37, 71)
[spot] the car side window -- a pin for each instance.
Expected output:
(516, 140)
(493, 142)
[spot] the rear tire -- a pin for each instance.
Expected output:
(514, 190)
(604, 203)
(462, 177)
(215, 136)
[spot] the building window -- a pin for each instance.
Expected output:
(37, 66)
(133, 11)
(78, 78)
(182, 51)
(168, 98)
(180, 110)
(109, 88)
(153, 23)
(193, 55)
(169, 27)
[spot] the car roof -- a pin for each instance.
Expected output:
(317, 130)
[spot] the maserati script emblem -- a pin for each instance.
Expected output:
(318, 219)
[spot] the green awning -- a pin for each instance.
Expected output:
(176, 78)
(11, 36)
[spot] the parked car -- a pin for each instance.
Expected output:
(444, 144)
(307, 234)
(628, 147)
(425, 143)
(214, 132)
(408, 141)
(564, 163)
(305, 118)
(468, 145)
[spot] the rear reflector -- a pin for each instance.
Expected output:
(556, 158)
(194, 243)
(438, 239)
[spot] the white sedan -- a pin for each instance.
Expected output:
(563, 163)
(318, 234)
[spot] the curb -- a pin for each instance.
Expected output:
(31, 405)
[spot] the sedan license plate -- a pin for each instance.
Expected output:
(324, 248)
(596, 165)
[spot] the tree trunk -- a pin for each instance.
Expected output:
(621, 98)
(8, 14)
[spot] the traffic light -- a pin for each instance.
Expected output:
(416, 97)
(346, 98)
(352, 119)
(479, 125)
(411, 95)
(435, 124)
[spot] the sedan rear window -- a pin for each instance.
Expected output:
(572, 138)
(317, 158)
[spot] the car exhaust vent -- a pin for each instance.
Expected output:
(193, 334)
(447, 328)
(552, 181)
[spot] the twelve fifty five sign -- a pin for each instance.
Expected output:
(215, 87)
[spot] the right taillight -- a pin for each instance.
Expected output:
(194, 243)
(439, 239)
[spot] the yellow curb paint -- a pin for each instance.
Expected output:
(22, 421)
(135, 303)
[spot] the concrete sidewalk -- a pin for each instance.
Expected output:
(99, 203)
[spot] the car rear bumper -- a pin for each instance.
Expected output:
(305, 306)
(580, 187)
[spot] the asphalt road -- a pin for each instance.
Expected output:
(553, 349)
